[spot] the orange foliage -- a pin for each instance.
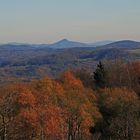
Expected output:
(29, 116)
(69, 79)
(26, 98)
(52, 109)
(54, 123)
(120, 94)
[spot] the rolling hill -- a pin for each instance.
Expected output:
(35, 61)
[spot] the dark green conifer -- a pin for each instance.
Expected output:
(100, 76)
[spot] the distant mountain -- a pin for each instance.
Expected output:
(67, 44)
(58, 45)
(71, 44)
(123, 44)
(21, 46)
(15, 47)
(101, 43)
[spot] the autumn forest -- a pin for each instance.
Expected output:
(78, 105)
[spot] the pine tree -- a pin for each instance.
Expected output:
(100, 76)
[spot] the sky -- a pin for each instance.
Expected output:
(46, 21)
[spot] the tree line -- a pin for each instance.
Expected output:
(79, 105)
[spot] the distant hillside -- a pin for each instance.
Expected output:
(123, 44)
(34, 61)
(67, 44)
(102, 43)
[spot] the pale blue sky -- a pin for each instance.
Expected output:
(45, 21)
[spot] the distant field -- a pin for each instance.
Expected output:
(135, 51)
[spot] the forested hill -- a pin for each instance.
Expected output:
(103, 105)
(37, 60)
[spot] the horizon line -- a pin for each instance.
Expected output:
(98, 41)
